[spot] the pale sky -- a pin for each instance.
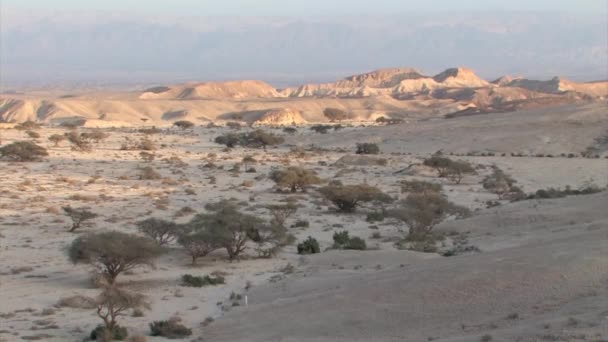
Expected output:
(307, 7)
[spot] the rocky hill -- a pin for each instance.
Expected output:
(397, 92)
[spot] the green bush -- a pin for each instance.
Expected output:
(367, 148)
(171, 329)
(101, 333)
(309, 246)
(356, 243)
(343, 241)
(376, 216)
(194, 281)
(341, 238)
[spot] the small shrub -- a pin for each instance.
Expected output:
(335, 114)
(195, 281)
(375, 216)
(416, 186)
(309, 246)
(171, 329)
(183, 124)
(356, 243)
(367, 148)
(295, 178)
(341, 239)
(301, 224)
(148, 173)
(101, 333)
(27, 125)
(32, 134)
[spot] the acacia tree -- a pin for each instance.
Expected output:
(56, 139)
(23, 151)
(111, 304)
(197, 242)
(451, 169)
(281, 212)
(113, 253)
(347, 197)
(78, 216)
(269, 239)
(261, 138)
(162, 231)
(295, 178)
(226, 226)
(422, 211)
(502, 184)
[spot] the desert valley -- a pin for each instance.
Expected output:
(386, 206)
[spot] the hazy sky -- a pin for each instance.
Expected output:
(308, 7)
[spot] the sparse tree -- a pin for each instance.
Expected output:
(454, 170)
(95, 135)
(162, 231)
(78, 216)
(269, 238)
(113, 252)
(23, 151)
(112, 303)
(147, 156)
(260, 138)
(197, 242)
(230, 140)
(226, 226)
(56, 139)
(335, 114)
(183, 124)
(281, 212)
(503, 185)
(79, 142)
(295, 178)
(421, 212)
(248, 161)
(347, 197)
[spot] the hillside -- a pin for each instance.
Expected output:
(398, 92)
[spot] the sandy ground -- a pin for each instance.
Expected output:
(542, 260)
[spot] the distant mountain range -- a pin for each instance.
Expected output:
(392, 93)
(286, 51)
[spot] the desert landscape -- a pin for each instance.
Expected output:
(387, 206)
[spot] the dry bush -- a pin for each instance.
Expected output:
(503, 185)
(23, 151)
(422, 211)
(454, 170)
(416, 186)
(335, 114)
(295, 178)
(183, 124)
(111, 304)
(78, 216)
(367, 148)
(79, 142)
(347, 197)
(148, 173)
(77, 302)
